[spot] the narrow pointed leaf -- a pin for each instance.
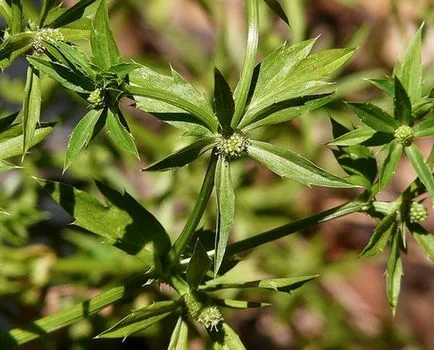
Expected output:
(123, 222)
(277, 284)
(4, 166)
(140, 319)
(394, 152)
(119, 132)
(17, 17)
(71, 15)
(224, 104)
(31, 109)
(276, 7)
(238, 304)
(11, 141)
(402, 104)
(424, 239)
(224, 338)
(286, 163)
(374, 117)
(422, 169)
(6, 12)
(81, 136)
(394, 273)
(179, 338)
(387, 85)
(45, 8)
(182, 157)
(104, 49)
(353, 137)
(13, 47)
(226, 208)
(199, 265)
(424, 128)
(409, 68)
(380, 236)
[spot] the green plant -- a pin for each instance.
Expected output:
(289, 82)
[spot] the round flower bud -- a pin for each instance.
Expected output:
(404, 135)
(231, 147)
(96, 98)
(208, 316)
(45, 34)
(417, 212)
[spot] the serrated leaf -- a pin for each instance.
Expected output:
(276, 7)
(394, 152)
(225, 210)
(424, 239)
(198, 266)
(374, 117)
(119, 133)
(123, 222)
(381, 235)
(238, 304)
(73, 14)
(104, 49)
(184, 156)
(224, 338)
(31, 109)
(402, 104)
(81, 136)
(394, 273)
(11, 141)
(140, 319)
(387, 85)
(286, 163)
(64, 75)
(422, 169)
(353, 137)
(424, 128)
(179, 338)
(224, 104)
(277, 284)
(155, 92)
(409, 68)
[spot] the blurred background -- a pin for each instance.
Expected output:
(46, 265)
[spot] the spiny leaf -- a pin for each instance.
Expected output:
(199, 265)
(421, 167)
(374, 117)
(394, 273)
(353, 137)
(424, 239)
(380, 236)
(71, 15)
(402, 104)
(224, 104)
(119, 132)
(394, 152)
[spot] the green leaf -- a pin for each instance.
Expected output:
(104, 49)
(51, 323)
(64, 75)
(409, 68)
(155, 92)
(394, 152)
(118, 131)
(179, 338)
(123, 69)
(16, 25)
(286, 163)
(81, 136)
(11, 141)
(185, 122)
(224, 104)
(424, 128)
(184, 156)
(31, 109)
(6, 12)
(394, 273)
(277, 284)
(123, 222)
(353, 137)
(140, 319)
(276, 7)
(198, 266)
(387, 85)
(224, 338)
(45, 8)
(226, 208)
(424, 239)
(402, 104)
(381, 235)
(422, 169)
(374, 117)
(238, 304)
(13, 47)
(71, 15)
(5, 166)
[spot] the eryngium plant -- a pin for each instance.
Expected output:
(286, 84)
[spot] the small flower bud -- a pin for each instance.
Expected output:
(96, 98)
(404, 135)
(45, 34)
(417, 212)
(233, 146)
(208, 316)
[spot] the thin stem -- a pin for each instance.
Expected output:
(242, 91)
(195, 216)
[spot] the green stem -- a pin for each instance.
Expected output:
(285, 230)
(73, 314)
(195, 216)
(242, 91)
